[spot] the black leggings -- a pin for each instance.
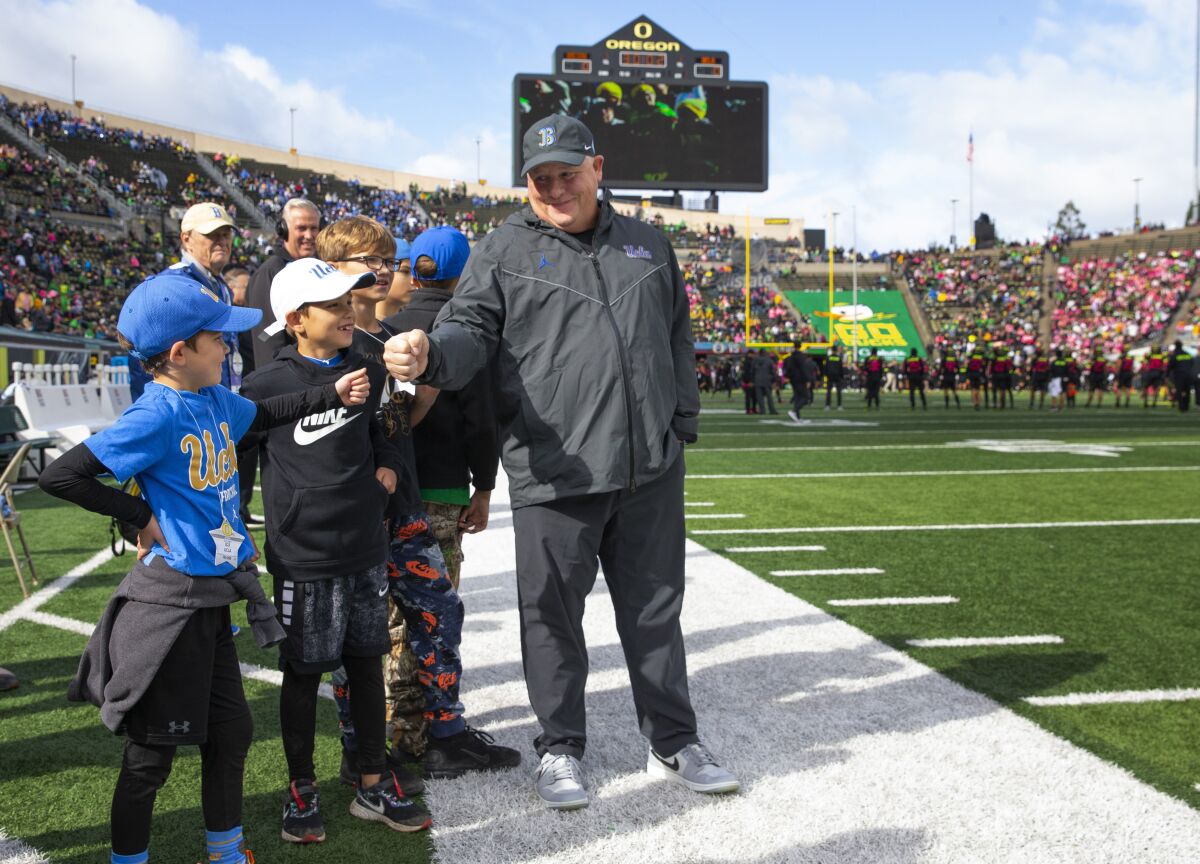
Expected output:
(298, 715)
(145, 768)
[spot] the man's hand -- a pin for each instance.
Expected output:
(354, 387)
(148, 536)
(386, 478)
(475, 518)
(406, 355)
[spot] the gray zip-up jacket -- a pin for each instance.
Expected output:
(594, 353)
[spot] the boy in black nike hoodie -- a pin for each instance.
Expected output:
(326, 482)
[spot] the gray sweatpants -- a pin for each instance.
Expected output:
(639, 538)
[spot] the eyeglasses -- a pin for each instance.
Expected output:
(378, 262)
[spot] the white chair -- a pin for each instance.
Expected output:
(10, 519)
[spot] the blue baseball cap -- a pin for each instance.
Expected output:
(403, 248)
(449, 249)
(170, 307)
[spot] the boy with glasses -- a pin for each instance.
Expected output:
(423, 667)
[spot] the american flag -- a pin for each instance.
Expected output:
(971, 147)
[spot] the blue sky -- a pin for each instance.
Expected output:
(871, 103)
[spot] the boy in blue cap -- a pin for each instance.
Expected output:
(161, 665)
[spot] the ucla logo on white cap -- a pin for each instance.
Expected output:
(546, 136)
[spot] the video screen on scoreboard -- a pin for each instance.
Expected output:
(658, 135)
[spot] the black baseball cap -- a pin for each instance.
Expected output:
(556, 138)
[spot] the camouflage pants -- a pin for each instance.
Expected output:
(421, 674)
(407, 723)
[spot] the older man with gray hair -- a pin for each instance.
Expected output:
(297, 229)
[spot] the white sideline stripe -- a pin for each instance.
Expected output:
(775, 549)
(1116, 697)
(998, 526)
(974, 641)
(895, 601)
(692, 451)
(13, 851)
(699, 504)
(842, 571)
(714, 515)
(49, 592)
(83, 628)
(249, 670)
(963, 473)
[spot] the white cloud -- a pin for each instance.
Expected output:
(1092, 107)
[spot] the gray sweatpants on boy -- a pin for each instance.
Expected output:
(639, 539)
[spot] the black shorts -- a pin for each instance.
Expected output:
(1125, 379)
(1153, 379)
(1096, 382)
(1040, 385)
(199, 682)
(975, 380)
(948, 382)
(1001, 382)
(326, 619)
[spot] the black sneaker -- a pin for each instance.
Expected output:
(410, 784)
(469, 750)
(302, 813)
(385, 802)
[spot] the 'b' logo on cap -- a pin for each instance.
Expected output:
(546, 136)
(216, 211)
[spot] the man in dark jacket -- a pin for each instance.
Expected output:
(584, 316)
(297, 229)
(801, 373)
(764, 381)
(1180, 368)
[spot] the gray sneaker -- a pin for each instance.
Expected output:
(559, 782)
(695, 768)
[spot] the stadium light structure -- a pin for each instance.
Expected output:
(1196, 124)
(478, 169)
(73, 58)
(1137, 204)
(953, 224)
(293, 139)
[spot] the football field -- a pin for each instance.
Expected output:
(1043, 561)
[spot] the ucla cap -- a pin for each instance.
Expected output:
(206, 218)
(556, 138)
(171, 307)
(309, 280)
(447, 247)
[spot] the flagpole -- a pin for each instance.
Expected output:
(971, 189)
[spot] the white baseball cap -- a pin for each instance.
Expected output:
(309, 280)
(206, 218)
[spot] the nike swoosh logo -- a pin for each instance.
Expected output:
(588, 147)
(673, 764)
(304, 437)
(383, 590)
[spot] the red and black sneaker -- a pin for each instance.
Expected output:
(302, 813)
(410, 784)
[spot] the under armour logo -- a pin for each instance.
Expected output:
(179, 728)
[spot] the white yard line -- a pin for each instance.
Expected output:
(775, 549)
(714, 515)
(1116, 697)
(1136, 445)
(975, 472)
(83, 628)
(49, 592)
(993, 526)
(984, 641)
(895, 601)
(839, 571)
(699, 504)
(13, 851)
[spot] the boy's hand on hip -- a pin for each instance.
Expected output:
(386, 478)
(354, 387)
(148, 536)
(406, 355)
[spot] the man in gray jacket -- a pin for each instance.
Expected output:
(584, 316)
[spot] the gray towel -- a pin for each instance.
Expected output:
(143, 619)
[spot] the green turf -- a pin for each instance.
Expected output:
(1124, 599)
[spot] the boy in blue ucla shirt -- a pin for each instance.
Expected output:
(161, 664)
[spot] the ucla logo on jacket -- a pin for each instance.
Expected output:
(637, 252)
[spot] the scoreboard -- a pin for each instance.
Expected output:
(642, 51)
(664, 115)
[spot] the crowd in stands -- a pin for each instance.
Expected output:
(47, 125)
(35, 185)
(718, 309)
(473, 215)
(994, 297)
(1107, 303)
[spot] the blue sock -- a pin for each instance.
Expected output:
(225, 847)
(139, 858)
